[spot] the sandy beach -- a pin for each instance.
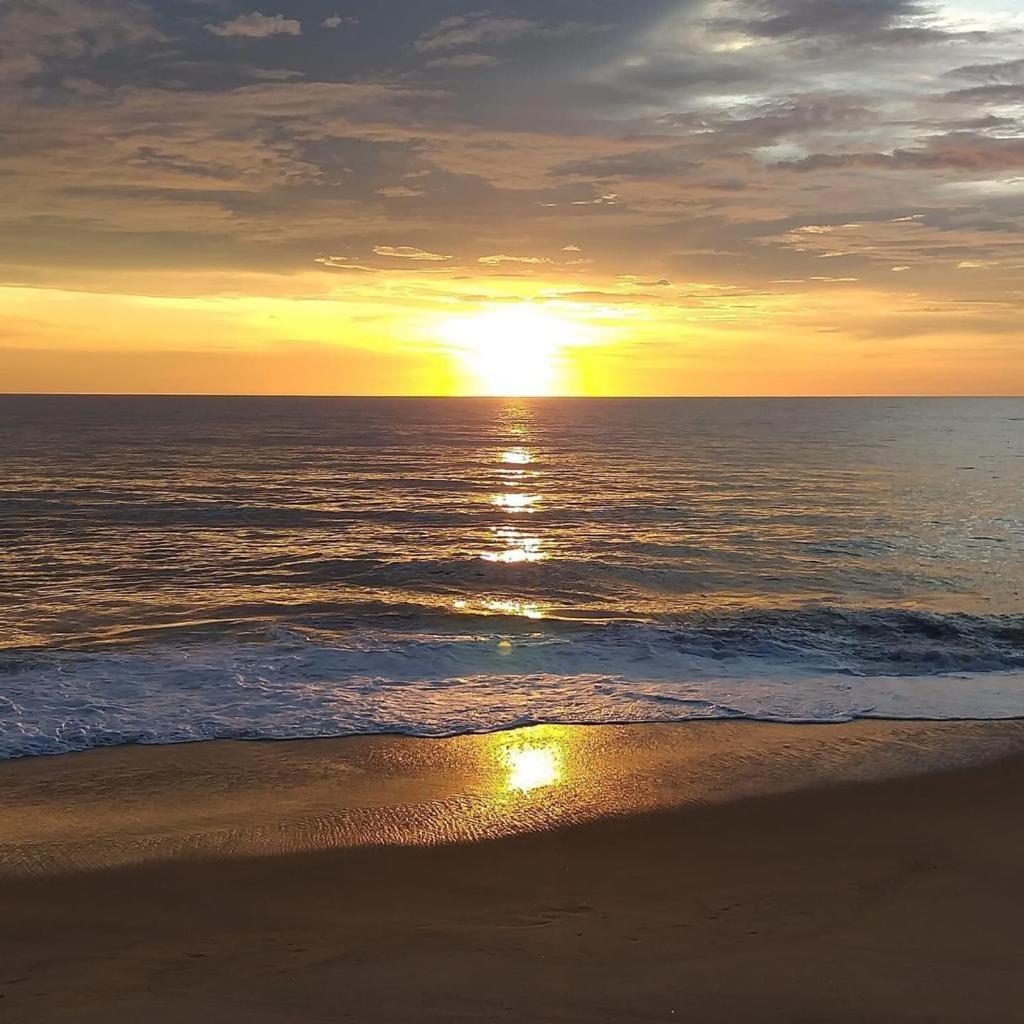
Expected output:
(712, 872)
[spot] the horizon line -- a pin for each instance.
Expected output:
(541, 398)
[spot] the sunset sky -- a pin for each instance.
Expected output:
(535, 196)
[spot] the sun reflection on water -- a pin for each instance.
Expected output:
(516, 502)
(518, 547)
(531, 765)
(516, 457)
(500, 606)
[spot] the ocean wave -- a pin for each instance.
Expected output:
(449, 675)
(864, 641)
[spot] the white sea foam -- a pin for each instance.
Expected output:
(294, 685)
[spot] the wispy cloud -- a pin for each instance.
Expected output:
(336, 21)
(342, 263)
(874, 22)
(483, 29)
(257, 26)
(464, 60)
(493, 261)
(473, 29)
(409, 252)
(36, 35)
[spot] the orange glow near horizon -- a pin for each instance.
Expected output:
(398, 335)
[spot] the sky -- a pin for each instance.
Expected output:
(722, 197)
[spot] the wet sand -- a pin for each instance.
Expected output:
(718, 873)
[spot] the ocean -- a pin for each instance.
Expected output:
(180, 569)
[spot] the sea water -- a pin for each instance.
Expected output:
(180, 569)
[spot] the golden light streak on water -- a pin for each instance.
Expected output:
(516, 502)
(517, 457)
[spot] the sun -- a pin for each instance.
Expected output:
(513, 350)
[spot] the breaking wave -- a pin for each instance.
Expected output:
(463, 674)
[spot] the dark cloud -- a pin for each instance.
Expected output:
(475, 29)
(998, 95)
(994, 73)
(999, 84)
(644, 163)
(761, 123)
(959, 152)
(877, 22)
(35, 34)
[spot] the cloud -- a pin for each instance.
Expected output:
(956, 152)
(399, 192)
(644, 163)
(472, 30)
(991, 73)
(607, 298)
(998, 84)
(908, 242)
(336, 21)
(342, 263)
(464, 60)
(608, 199)
(692, 143)
(493, 261)
(257, 26)
(1007, 94)
(409, 252)
(36, 35)
(873, 22)
(482, 28)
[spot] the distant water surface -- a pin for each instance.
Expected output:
(189, 568)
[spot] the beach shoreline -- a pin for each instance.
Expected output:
(122, 805)
(719, 872)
